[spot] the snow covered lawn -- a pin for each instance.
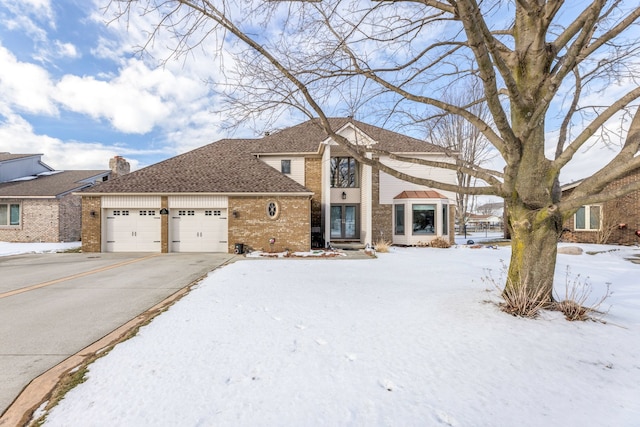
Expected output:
(7, 248)
(407, 339)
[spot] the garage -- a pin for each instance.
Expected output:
(132, 224)
(132, 230)
(198, 230)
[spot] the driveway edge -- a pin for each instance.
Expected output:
(41, 388)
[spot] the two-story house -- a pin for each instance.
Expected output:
(293, 189)
(37, 203)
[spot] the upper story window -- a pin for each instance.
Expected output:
(9, 214)
(285, 166)
(344, 172)
(588, 218)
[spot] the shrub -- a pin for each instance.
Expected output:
(382, 246)
(576, 295)
(439, 242)
(517, 300)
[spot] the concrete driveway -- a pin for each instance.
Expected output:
(54, 305)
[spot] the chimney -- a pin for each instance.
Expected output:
(119, 166)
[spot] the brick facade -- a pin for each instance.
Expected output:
(91, 224)
(622, 210)
(381, 215)
(313, 182)
(39, 221)
(70, 218)
(252, 226)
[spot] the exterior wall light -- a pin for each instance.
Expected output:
(344, 195)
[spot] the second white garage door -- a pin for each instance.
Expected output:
(198, 230)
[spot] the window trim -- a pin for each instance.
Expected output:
(285, 166)
(274, 213)
(434, 226)
(587, 218)
(9, 224)
(396, 216)
(352, 168)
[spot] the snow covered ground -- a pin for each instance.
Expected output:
(407, 339)
(7, 248)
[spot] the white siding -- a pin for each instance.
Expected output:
(131, 202)
(391, 186)
(297, 166)
(198, 202)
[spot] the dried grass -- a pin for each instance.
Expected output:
(382, 246)
(575, 305)
(518, 299)
(439, 242)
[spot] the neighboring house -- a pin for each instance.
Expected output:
(615, 222)
(484, 222)
(293, 189)
(36, 201)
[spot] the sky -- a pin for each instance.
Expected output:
(74, 89)
(77, 90)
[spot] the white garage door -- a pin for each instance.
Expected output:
(132, 230)
(198, 230)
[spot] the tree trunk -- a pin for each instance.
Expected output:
(534, 240)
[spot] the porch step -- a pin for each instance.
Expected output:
(348, 246)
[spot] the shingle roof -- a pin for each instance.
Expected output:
(49, 185)
(230, 166)
(10, 156)
(225, 166)
(306, 138)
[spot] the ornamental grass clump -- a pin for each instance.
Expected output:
(575, 305)
(382, 246)
(439, 242)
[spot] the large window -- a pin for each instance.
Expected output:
(588, 218)
(344, 172)
(424, 219)
(9, 214)
(399, 225)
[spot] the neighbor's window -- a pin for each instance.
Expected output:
(588, 218)
(424, 219)
(344, 172)
(399, 225)
(285, 166)
(9, 214)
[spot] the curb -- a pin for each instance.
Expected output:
(40, 389)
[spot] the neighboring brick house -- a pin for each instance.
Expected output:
(293, 189)
(614, 222)
(37, 203)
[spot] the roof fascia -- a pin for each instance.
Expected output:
(247, 194)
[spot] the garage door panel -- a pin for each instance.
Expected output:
(199, 230)
(132, 230)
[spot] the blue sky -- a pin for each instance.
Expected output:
(76, 90)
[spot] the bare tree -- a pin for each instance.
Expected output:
(458, 136)
(543, 65)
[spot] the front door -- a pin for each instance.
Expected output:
(344, 222)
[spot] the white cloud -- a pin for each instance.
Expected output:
(24, 86)
(18, 136)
